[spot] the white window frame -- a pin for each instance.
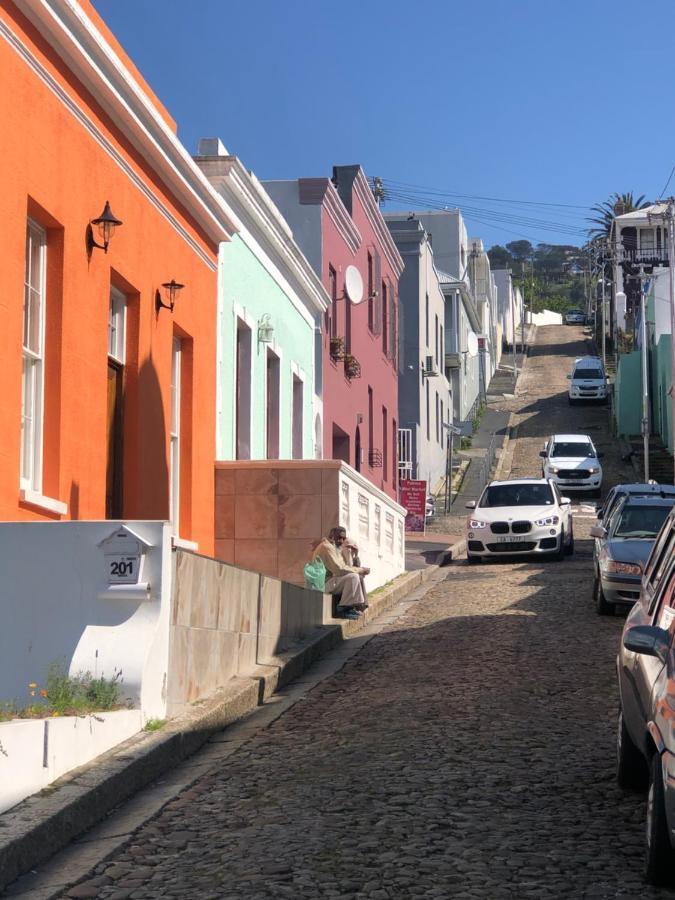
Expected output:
(31, 475)
(174, 437)
(117, 325)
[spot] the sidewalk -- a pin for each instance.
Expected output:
(494, 425)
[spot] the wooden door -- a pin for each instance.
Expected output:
(113, 491)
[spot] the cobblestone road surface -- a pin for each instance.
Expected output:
(466, 752)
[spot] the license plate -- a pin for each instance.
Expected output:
(507, 539)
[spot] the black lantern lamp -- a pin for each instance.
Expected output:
(106, 224)
(171, 291)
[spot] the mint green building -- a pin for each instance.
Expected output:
(270, 309)
(628, 387)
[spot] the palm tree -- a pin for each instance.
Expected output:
(605, 213)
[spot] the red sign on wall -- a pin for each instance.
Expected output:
(414, 501)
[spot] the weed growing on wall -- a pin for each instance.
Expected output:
(68, 695)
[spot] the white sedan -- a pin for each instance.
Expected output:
(527, 516)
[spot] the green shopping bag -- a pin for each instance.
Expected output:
(315, 575)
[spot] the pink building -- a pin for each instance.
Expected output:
(339, 228)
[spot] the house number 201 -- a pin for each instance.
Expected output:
(120, 569)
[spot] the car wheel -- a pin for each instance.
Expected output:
(473, 560)
(631, 766)
(560, 552)
(659, 855)
(602, 607)
(569, 549)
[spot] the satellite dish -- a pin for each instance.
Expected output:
(353, 284)
(472, 343)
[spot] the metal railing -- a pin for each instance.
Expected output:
(651, 255)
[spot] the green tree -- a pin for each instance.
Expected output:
(521, 252)
(500, 258)
(606, 212)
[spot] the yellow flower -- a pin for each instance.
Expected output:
(32, 684)
(54, 714)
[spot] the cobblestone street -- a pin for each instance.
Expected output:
(467, 751)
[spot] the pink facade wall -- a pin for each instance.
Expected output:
(346, 400)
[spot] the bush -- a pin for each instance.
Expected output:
(67, 695)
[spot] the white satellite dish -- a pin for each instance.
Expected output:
(472, 344)
(353, 284)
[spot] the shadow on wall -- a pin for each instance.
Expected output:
(146, 447)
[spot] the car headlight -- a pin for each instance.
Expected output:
(476, 523)
(594, 470)
(614, 567)
(549, 520)
(553, 470)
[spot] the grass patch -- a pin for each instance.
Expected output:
(154, 725)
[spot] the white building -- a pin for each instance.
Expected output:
(424, 393)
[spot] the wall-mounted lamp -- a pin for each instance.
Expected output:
(171, 291)
(105, 224)
(265, 329)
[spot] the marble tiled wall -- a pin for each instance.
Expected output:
(267, 514)
(226, 620)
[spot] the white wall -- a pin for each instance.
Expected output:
(54, 606)
(375, 523)
(545, 317)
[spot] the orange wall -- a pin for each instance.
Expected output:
(56, 171)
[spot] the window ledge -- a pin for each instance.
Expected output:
(38, 500)
(183, 544)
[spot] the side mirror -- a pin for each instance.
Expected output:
(600, 513)
(648, 640)
(565, 501)
(597, 531)
(470, 504)
(543, 453)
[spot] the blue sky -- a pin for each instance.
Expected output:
(544, 101)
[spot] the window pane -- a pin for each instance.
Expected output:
(28, 419)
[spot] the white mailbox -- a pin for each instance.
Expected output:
(124, 554)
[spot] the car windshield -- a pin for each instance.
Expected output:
(572, 448)
(640, 521)
(517, 495)
(587, 373)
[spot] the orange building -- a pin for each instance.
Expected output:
(107, 399)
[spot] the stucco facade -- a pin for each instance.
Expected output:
(424, 395)
(269, 298)
(337, 224)
(115, 414)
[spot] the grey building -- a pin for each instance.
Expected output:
(424, 395)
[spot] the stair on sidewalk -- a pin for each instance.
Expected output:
(661, 464)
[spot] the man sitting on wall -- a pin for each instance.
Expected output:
(343, 578)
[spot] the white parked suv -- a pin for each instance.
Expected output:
(572, 462)
(587, 381)
(523, 516)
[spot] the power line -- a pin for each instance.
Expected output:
(665, 188)
(495, 215)
(445, 193)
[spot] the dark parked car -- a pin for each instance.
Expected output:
(623, 543)
(575, 317)
(646, 727)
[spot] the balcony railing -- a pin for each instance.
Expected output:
(653, 256)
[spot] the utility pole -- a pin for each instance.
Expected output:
(644, 356)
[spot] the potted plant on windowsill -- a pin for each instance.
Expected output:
(352, 366)
(337, 348)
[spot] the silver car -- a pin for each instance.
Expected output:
(619, 491)
(622, 545)
(646, 728)
(575, 317)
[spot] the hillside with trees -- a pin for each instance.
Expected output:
(551, 276)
